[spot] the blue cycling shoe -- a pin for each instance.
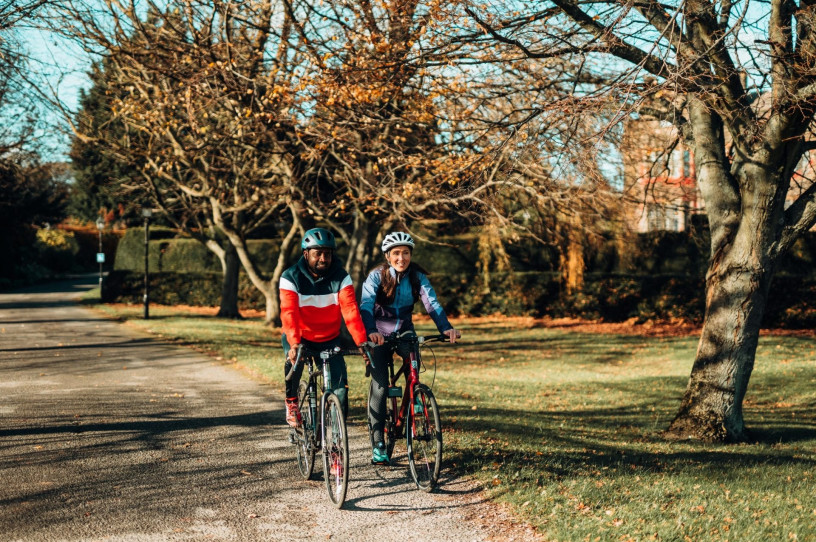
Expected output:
(379, 455)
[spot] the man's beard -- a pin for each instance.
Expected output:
(318, 272)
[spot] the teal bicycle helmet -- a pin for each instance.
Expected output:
(318, 238)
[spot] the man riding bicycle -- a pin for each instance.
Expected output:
(314, 294)
(387, 303)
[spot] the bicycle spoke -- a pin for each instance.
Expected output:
(335, 452)
(304, 440)
(424, 438)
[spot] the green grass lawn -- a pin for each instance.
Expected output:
(565, 427)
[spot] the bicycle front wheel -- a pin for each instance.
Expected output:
(304, 435)
(335, 449)
(423, 436)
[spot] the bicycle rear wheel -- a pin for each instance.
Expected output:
(335, 449)
(304, 435)
(423, 435)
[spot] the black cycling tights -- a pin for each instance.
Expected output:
(379, 389)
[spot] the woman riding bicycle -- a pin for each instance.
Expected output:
(386, 305)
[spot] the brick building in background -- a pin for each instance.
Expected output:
(660, 190)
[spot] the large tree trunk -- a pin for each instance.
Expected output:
(229, 284)
(737, 283)
(711, 409)
(267, 286)
(358, 260)
(230, 267)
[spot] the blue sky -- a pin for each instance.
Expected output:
(60, 70)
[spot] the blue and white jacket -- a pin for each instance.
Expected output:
(396, 317)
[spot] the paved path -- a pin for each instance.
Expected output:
(106, 434)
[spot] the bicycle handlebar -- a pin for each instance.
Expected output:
(411, 337)
(322, 354)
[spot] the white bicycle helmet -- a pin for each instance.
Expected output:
(397, 239)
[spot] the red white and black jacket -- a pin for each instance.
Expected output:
(311, 307)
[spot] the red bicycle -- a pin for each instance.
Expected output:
(416, 417)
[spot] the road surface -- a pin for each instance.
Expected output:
(109, 434)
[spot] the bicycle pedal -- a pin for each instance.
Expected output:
(381, 463)
(292, 437)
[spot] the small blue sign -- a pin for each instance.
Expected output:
(100, 257)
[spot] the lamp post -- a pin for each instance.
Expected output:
(100, 256)
(146, 214)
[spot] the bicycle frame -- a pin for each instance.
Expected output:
(411, 370)
(313, 386)
(317, 384)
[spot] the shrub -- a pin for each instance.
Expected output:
(664, 279)
(57, 249)
(182, 254)
(201, 289)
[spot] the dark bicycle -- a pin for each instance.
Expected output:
(323, 429)
(417, 412)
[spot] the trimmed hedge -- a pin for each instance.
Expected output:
(660, 277)
(182, 255)
(170, 288)
(612, 298)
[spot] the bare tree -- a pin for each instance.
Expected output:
(205, 97)
(372, 131)
(744, 105)
(15, 94)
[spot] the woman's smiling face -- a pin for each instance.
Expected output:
(399, 258)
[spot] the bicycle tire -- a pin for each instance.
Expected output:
(304, 435)
(389, 429)
(335, 449)
(423, 435)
